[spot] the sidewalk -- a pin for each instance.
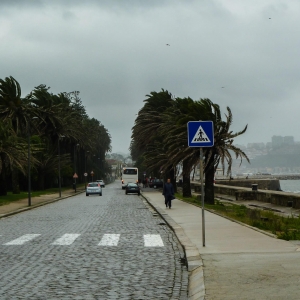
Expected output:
(238, 262)
(22, 205)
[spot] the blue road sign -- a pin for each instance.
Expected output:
(200, 133)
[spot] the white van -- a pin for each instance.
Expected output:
(129, 175)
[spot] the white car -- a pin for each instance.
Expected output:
(93, 188)
(102, 183)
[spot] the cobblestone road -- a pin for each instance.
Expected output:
(109, 247)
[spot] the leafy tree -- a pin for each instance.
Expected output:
(220, 153)
(13, 152)
(18, 110)
(160, 136)
(145, 132)
(47, 120)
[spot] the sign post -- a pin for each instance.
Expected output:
(201, 134)
(92, 174)
(75, 176)
(85, 175)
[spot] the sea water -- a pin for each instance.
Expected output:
(292, 186)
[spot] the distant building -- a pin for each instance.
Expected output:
(242, 147)
(256, 145)
(269, 145)
(288, 140)
(277, 141)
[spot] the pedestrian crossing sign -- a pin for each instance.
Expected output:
(200, 134)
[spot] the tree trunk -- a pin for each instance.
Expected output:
(186, 185)
(15, 181)
(41, 179)
(3, 183)
(3, 187)
(209, 189)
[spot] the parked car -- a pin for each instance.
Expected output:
(132, 188)
(93, 188)
(156, 183)
(102, 183)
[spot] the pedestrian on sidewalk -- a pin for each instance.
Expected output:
(168, 192)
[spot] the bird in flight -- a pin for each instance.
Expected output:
(269, 18)
(223, 87)
(167, 45)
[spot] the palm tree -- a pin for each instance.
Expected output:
(220, 153)
(19, 111)
(145, 132)
(174, 131)
(13, 152)
(163, 138)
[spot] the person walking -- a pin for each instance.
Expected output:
(168, 192)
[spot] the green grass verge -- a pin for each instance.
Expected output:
(287, 228)
(10, 197)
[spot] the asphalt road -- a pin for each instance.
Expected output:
(109, 247)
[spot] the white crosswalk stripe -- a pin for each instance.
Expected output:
(109, 240)
(66, 239)
(23, 239)
(153, 240)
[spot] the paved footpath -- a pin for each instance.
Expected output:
(22, 204)
(109, 247)
(238, 262)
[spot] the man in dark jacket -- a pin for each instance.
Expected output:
(168, 192)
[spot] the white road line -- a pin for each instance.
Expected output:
(153, 240)
(109, 240)
(23, 239)
(66, 239)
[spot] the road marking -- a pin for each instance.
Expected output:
(109, 240)
(23, 239)
(66, 239)
(153, 240)
(150, 240)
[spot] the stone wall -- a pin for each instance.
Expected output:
(264, 184)
(240, 193)
(274, 197)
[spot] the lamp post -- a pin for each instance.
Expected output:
(59, 179)
(92, 174)
(75, 148)
(85, 163)
(28, 163)
(93, 161)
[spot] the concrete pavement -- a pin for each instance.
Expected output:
(238, 262)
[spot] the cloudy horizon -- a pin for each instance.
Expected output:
(241, 54)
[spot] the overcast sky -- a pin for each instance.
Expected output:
(241, 54)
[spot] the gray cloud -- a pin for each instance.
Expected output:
(114, 53)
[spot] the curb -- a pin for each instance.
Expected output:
(38, 205)
(196, 287)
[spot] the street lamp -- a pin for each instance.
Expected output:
(92, 174)
(59, 179)
(85, 163)
(75, 147)
(29, 173)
